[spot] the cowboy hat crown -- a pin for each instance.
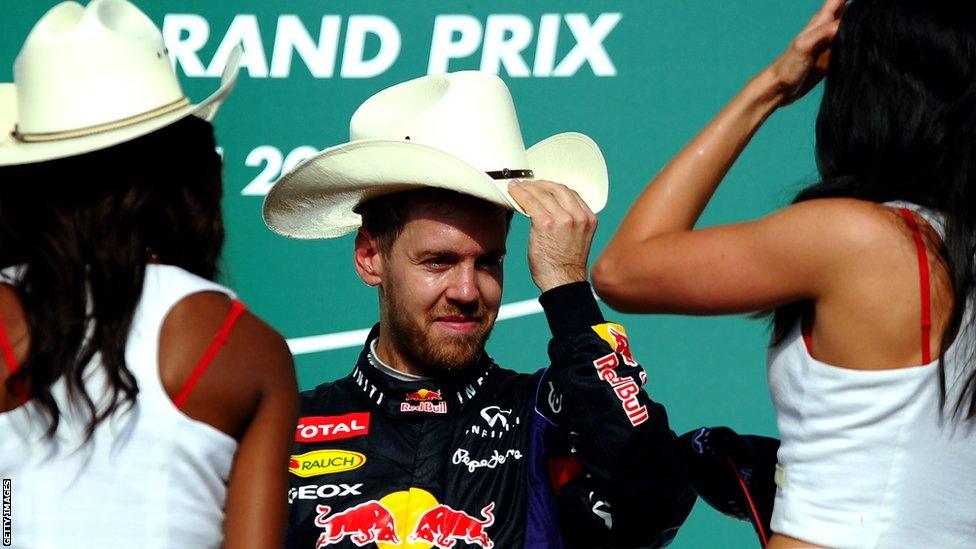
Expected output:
(470, 115)
(456, 131)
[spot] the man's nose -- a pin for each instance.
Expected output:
(464, 285)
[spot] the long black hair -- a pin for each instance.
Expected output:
(898, 122)
(81, 230)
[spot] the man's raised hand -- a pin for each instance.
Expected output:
(561, 235)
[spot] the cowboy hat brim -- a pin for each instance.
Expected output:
(14, 151)
(317, 199)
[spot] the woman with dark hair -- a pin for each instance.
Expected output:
(141, 405)
(869, 272)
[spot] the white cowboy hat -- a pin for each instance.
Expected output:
(92, 77)
(455, 131)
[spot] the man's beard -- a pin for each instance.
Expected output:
(445, 355)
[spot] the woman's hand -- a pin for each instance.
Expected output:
(804, 63)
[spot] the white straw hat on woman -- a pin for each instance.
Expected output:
(91, 77)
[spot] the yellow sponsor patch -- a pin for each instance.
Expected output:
(324, 462)
(604, 331)
(615, 335)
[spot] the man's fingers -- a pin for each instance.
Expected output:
(563, 195)
(559, 199)
(532, 200)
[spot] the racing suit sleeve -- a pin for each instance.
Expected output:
(628, 491)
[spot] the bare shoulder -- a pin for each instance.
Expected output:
(253, 365)
(195, 321)
(844, 222)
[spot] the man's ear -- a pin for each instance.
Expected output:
(368, 258)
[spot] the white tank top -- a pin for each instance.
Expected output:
(149, 478)
(868, 458)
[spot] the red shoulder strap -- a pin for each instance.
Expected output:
(7, 349)
(236, 309)
(806, 328)
(923, 272)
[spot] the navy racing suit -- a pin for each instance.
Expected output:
(574, 455)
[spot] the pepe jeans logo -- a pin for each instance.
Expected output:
(324, 462)
(463, 457)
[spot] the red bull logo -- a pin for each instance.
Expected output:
(425, 407)
(444, 527)
(423, 395)
(622, 345)
(368, 522)
(408, 519)
(624, 387)
(616, 336)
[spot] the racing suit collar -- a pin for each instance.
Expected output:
(428, 398)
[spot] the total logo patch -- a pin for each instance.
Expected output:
(326, 428)
(616, 336)
(324, 462)
(408, 519)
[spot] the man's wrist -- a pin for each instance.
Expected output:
(554, 279)
(570, 308)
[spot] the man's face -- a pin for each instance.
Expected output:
(442, 283)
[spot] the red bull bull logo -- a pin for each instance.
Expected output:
(423, 395)
(368, 522)
(444, 527)
(616, 336)
(408, 519)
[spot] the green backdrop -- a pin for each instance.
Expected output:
(646, 76)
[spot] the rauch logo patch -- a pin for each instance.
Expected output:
(324, 462)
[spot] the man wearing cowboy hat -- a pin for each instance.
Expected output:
(429, 443)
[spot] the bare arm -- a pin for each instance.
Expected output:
(256, 495)
(657, 232)
(249, 392)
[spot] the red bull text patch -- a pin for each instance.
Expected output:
(324, 462)
(624, 387)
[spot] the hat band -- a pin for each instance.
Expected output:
(511, 174)
(108, 126)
